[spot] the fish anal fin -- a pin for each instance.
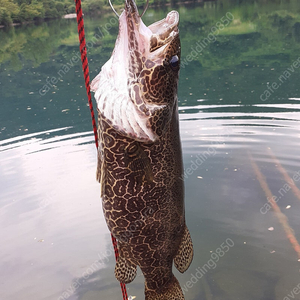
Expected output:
(125, 271)
(185, 253)
(170, 291)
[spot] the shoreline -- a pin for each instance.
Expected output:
(104, 10)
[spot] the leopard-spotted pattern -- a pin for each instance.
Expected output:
(141, 186)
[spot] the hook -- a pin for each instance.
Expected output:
(113, 9)
(147, 4)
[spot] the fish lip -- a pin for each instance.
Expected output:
(170, 22)
(164, 30)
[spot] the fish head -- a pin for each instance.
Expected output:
(136, 89)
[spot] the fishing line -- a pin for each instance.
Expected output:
(86, 73)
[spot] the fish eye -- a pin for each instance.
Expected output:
(174, 62)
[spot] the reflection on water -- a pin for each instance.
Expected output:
(55, 243)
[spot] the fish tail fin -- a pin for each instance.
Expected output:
(170, 291)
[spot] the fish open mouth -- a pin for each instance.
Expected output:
(153, 38)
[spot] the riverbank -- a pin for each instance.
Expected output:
(18, 12)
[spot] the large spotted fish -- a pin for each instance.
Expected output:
(139, 156)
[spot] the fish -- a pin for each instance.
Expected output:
(139, 164)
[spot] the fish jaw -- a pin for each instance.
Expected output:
(136, 89)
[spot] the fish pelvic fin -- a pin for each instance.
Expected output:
(185, 253)
(170, 291)
(125, 271)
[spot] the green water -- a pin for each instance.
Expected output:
(238, 98)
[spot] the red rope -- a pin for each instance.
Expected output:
(85, 67)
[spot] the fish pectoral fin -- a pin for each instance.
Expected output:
(185, 253)
(160, 119)
(139, 163)
(125, 271)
